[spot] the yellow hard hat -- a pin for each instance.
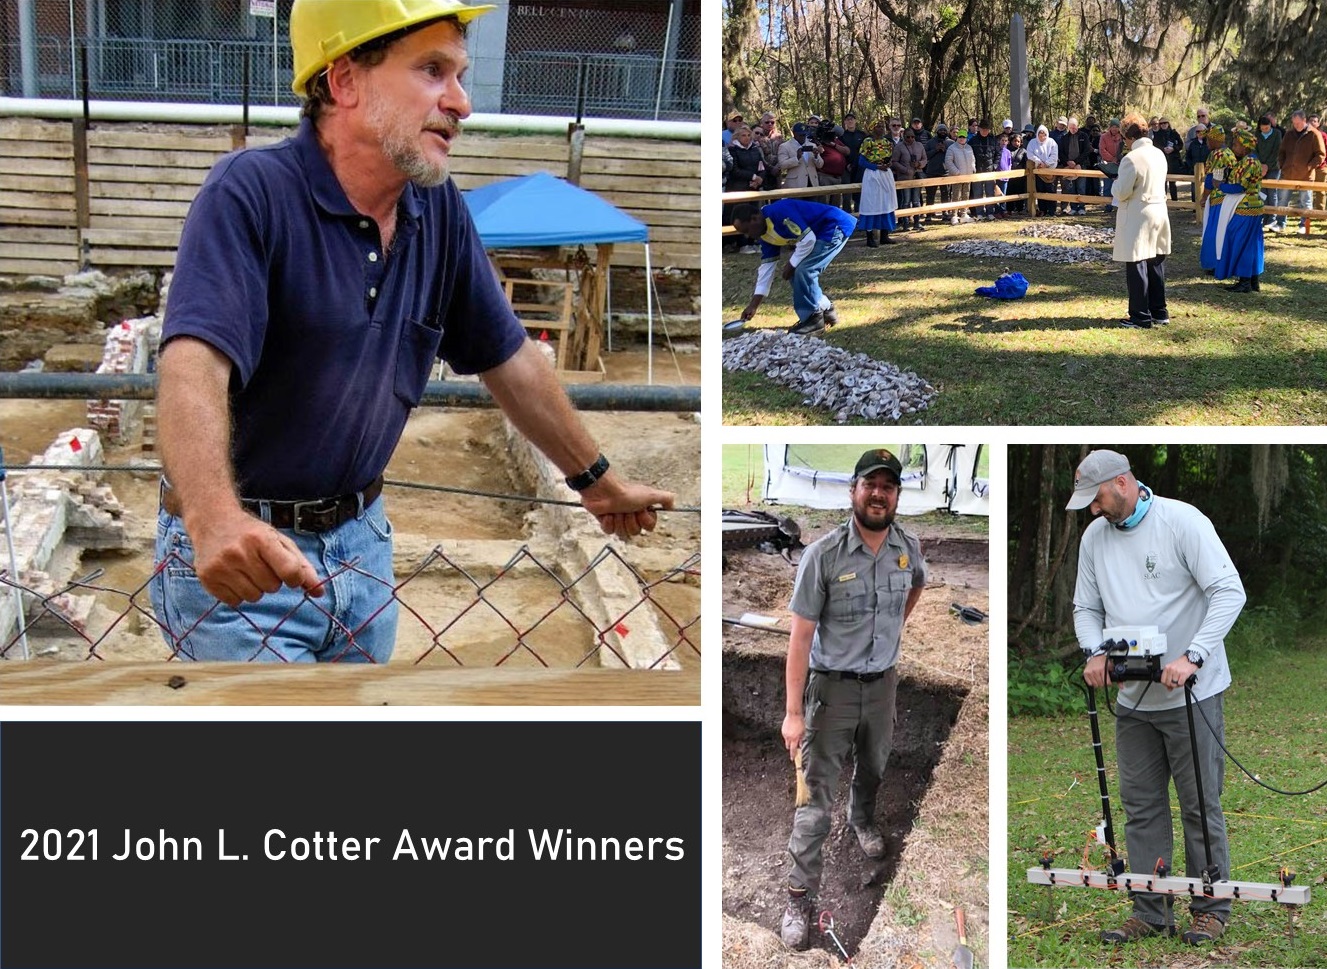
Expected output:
(323, 30)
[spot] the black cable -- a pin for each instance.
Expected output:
(1215, 736)
(1251, 777)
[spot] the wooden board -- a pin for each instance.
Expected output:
(36, 166)
(150, 157)
(47, 201)
(32, 129)
(37, 267)
(29, 182)
(137, 208)
(102, 256)
(17, 216)
(60, 251)
(36, 149)
(117, 219)
(34, 234)
(124, 173)
(141, 238)
(206, 139)
(337, 684)
(142, 190)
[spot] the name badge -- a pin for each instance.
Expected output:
(903, 561)
(847, 577)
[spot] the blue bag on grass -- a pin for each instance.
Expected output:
(1008, 286)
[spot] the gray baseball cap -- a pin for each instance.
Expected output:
(1094, 471)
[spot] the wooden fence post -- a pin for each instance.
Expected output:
(1199, 177)
(1032, 190)
(80, 140)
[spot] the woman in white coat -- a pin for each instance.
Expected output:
(1142, 226)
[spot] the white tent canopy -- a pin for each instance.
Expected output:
(936, 477)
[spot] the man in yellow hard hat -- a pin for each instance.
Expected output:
(317, 282)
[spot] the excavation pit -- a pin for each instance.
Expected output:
(468, 453)
(759, 789)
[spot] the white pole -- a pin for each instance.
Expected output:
(663, 60)
(13, 563)
(649, 318)
(274, 57)
(73, 70)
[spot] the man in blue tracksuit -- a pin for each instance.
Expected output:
(818, 233)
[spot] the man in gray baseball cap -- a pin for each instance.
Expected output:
(1145, 560)
(1094, 471)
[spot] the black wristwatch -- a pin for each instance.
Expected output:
(1194, 657)
(579, 482)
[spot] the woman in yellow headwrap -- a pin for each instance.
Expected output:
(1219, 162)
(1241, 249)
(878, 200)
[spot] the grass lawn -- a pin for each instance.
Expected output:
(1276, 724)
(1057, 356)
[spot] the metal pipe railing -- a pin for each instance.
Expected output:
(163, 112)
(438, 393)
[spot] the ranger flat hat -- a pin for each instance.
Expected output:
(1094, 471)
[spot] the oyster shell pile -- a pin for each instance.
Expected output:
(1027, 250)
(849, 384)
(1068, 232)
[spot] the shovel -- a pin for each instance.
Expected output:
(962, 955)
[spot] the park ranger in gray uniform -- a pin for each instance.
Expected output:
(855, 588)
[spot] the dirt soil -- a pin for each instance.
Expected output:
(461, 448)
(933, 806)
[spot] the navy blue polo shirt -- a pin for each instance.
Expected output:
(332, 339)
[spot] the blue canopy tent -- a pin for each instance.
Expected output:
(544, 210)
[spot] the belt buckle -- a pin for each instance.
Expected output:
(322, 516)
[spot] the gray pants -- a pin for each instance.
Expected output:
(1153, 749)
(842, 717)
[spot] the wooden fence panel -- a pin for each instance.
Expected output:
(141, 179)
(38, 217)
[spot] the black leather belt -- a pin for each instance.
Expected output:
(314, 517)
(846, 675)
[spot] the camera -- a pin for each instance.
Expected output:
(1133, 652)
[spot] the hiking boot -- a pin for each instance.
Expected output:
(796, 928)
(1131, 931)
(812, 324)
(869, 837)
(1204, 928)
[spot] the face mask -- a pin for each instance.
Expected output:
(1144, 503)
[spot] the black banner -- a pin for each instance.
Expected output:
(350, 844)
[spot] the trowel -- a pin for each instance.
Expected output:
(962, 955)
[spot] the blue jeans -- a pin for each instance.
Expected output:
(807, 296)
(1274, 198)
(1300, 198)
(354, 621)
(983, 190)
(1076, 186)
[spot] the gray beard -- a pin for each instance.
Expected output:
(403, 149)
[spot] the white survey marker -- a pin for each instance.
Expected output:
(1170, 885)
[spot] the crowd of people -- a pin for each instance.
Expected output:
(821, 152)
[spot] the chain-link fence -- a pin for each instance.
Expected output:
(591, 58)
(565, 606)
